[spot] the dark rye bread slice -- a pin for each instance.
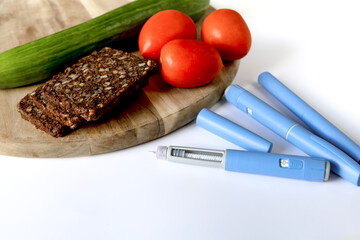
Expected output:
(98, 82)
(57, 113)
(41, 121)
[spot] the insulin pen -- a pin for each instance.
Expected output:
(314, 146)
(279, 165)
(308, 115)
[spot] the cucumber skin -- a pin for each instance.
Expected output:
(38, 60)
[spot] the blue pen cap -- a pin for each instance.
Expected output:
(232, 132)
(259, 110)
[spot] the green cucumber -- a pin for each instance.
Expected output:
(40, 59)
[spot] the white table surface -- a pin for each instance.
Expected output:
(313, 47)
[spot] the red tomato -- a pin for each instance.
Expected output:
(163, 27)
(226, 30)
(189, 63)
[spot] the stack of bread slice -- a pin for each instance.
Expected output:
(86, 91)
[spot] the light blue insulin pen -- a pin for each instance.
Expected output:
(314, 146)
(309, 116)
(279, 165)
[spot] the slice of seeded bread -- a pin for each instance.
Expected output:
(42, 121)
(98, 83)
(57, 113)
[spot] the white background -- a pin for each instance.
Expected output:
(311, 46)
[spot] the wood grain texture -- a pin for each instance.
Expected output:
(157, 111)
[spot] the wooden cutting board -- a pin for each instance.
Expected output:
(159, 110)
